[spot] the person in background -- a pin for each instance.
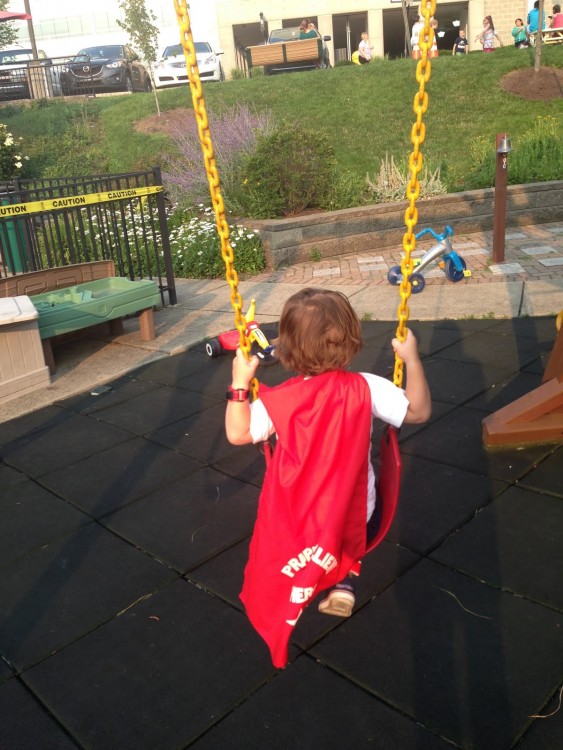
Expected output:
(415, 34)
(364, 49)
(487, 36)
(461, 45)
(433, 51)
(556, 18)
(533, 20)
(519, 34)
(307, 30)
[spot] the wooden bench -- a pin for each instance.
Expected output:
(548, 36)
(54, 279)
(293, 55)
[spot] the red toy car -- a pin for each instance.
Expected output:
(229, 340)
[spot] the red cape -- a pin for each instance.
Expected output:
(311, 524)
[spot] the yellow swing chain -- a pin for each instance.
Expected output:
(212, 175)
(418, 133)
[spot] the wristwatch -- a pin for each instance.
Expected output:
(236, 394)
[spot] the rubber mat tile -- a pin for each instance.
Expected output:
(338, 715)
(456, 382)
(213, 380)
(190, 521)
(547, 476)
(109, 480)
(9, 478)
(35, 421)
(435, 500)
(542, 329)
(200, 436)
(466, 660)
(67, 441)
(433, 339)
(506, 392)
(119, 391)
(169, 370)
(223, 574)
(59, 593)
(455, 440)
(26, 724)
(246, 463)
(30, 516)
(5, 671)
(514, 543)
(156, 677)
(545, 733)
(154, 409)
(494, 349)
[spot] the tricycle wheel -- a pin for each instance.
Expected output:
(394, 275)
(213, 348)
(417, 282)
(452, 272)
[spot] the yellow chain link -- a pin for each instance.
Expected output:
(202, 121)
(418, 134)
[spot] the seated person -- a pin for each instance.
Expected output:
(519, 34)
(307, 30)
(556, 18)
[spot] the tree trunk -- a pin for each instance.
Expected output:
(539, 39)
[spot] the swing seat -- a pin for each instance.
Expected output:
(388, 484)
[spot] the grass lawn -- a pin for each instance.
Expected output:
(366, 112)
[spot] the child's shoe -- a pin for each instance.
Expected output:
(340, 601)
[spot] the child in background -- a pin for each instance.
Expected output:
(317, 509)
(461, 46)
(519, 34)
(556, 18)
(487, 36)
(364, 49)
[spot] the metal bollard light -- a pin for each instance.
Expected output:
(501, 180)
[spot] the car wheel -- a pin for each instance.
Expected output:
(213, 348)
(148, 84)
(221, 73)
(129, 85)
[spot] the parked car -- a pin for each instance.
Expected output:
(291, 34)
(113, 67)
(16, 80)
(171, 69)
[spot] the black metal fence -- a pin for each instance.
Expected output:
(50, 223)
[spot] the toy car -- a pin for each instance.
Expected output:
(229, 340)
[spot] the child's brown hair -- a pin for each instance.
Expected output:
(319, 331)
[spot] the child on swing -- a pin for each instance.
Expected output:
(317, 509)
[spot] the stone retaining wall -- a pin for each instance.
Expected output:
(369, 228)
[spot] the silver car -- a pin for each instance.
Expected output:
(171, 69)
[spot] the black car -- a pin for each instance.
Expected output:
(114, 67)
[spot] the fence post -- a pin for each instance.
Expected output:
(503, 148)
(163, 221)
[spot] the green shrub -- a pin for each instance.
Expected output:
(290, 170)
(391, 182)
(341, 63)
(237, 74)
(537, 156)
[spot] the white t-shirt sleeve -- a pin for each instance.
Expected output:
(388, 402)
(261, 426)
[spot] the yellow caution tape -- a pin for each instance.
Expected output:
(75, 201)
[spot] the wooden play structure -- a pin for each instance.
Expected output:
(536, 417)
